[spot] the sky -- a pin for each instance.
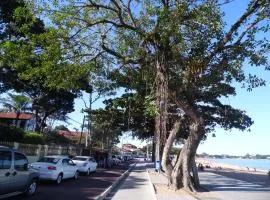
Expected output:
(256, 103)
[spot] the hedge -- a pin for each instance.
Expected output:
(11, 133)
(33, 138)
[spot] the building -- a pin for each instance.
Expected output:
(25, 121)
(129, 147)
(73, 135)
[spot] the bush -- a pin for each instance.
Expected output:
(11, 133)
(33, 138)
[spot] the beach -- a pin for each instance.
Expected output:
(251, 175)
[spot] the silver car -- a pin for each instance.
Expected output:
(15, 176)
(56, 168)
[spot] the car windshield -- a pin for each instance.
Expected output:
(49, 160)
(79, 158)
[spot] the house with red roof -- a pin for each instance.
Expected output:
(25, 121)
(75, 135)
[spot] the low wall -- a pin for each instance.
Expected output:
(36, 151)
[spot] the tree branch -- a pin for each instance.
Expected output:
(126, 60)
(121, 17)
(221, 44)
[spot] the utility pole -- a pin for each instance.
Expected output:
(90, 116)
(80, 142)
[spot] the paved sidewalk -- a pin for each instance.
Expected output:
(223, 188)
(135, 186)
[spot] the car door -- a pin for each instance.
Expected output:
(66, 169)
(5, 171)
(72, 168)
(20, 174)
(93, 164)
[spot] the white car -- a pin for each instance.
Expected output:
(56, 168)
(86, 164)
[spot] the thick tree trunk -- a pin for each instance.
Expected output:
(166, 163)
(161, 102)
(195, 173)
(181, 174)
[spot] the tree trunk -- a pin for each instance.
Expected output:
(166, 163)
(38, 123)
(17, 124)
(181, 174)
(161, 102)
(153, 151)
(195, 173)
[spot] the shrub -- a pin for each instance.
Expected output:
(33, 138)
(11, 133)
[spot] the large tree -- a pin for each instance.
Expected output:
(33, 62)
(186, 53)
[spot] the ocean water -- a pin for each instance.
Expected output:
(251, 163)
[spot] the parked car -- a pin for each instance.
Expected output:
(86, 164)
(56, 168)
(115, 160)
(15, 176)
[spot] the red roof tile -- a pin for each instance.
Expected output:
(70, 133)
(12, 115)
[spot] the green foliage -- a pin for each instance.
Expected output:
(11, 133)
(53, 138)
(16, 103)
(202, 57)
(61, 127)
(106, 126)
(33, 138)
(150, 106)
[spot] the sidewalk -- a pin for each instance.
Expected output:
(135, 187)
(139, 186)
(225, 188)
(219, 187)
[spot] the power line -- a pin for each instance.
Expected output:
(75, 121)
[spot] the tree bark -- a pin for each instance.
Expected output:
(161, 102)
(166, 163)
(181, 174)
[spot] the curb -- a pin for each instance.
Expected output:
(151, 185)
(116, 183)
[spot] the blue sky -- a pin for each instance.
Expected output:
(256, 103)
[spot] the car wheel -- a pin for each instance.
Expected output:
(88, 172)
(32, 188)
(76, 175)
(59, 179)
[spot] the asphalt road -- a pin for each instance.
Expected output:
(87, 187)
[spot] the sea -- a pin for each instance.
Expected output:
(263, 164)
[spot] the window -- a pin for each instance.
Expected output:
(79, 158)
(20, 162)
(70, 162)
(5, 159)
(65, 162)
(49, 160)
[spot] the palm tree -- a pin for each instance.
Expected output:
(16, 103)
